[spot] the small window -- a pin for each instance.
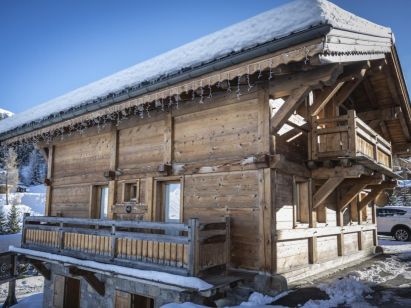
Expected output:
(172, 202)
(131, 194)
(301, 202)
(103, 202)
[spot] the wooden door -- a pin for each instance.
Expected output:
(71, 293)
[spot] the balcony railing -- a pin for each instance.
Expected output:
(348, 136)
(184, 249)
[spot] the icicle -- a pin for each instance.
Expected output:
(238, 87)
(193, 94)
(271, 70)
(141, 111)
(201, 93)
(307, 52)
(170, 102)
(260, 74)
(210, 93)
(177, 99)
(248, 79)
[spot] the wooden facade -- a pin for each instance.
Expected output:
(276, 171)
(286, 194)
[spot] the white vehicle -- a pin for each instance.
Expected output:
(395, 221)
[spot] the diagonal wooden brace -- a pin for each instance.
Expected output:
(91, 279)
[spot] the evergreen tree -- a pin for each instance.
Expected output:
(10, 173)
(13, 220)
(3, 222)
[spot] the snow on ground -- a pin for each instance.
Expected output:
(359, 285)
(24, 287)
(7, 240)
(31, 301)
(276, 23)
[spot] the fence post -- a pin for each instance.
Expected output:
(113, 242)
(352, 140)
(193, 229)
(61, 237)
(227, 242)
(23, 236)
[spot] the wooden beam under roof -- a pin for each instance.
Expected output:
(289, 106)
(369, 91)
(316, 78)
(384, 114)
(354, 171)
(324, 97)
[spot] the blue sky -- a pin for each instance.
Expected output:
(49, 47)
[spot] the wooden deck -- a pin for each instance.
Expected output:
(348, 136)
(185, 249)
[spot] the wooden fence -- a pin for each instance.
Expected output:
(348, 136)
(185, 249)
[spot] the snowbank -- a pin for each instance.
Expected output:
(176, 280)
(276, 23)
(348, 291)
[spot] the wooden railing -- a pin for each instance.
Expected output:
(349, 137)
(185, 249)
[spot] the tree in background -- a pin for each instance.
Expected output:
(3, 222)
(10, 173)
(13, 220)
(33, 172)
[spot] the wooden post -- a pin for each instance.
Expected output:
(193, 258)
(24, 231)
(227, 242)
(312, 242)
(352, 140)
(49, 189)
(11, 296)
(340, 223)
(113, 242)
(61, 237)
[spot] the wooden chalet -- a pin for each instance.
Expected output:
(258, 164)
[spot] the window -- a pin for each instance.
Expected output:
(301, 200)
(103, 202)
(172, 202)
(131, 192)
(390, 212)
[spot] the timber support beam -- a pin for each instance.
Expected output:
(41, 268)
(325, 190)
(374, 193)
(354, 171)
(356, 188)
(91, 279)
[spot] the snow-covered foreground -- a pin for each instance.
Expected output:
(24, 287)
(374, 283)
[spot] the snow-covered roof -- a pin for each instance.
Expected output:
(280, 22)
(5, 113)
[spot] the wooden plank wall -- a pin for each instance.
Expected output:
(224, 131)
(211, 196)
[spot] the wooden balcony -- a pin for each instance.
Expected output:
(348, 136)
(184, 249)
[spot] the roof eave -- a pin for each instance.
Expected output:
(242, 56)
